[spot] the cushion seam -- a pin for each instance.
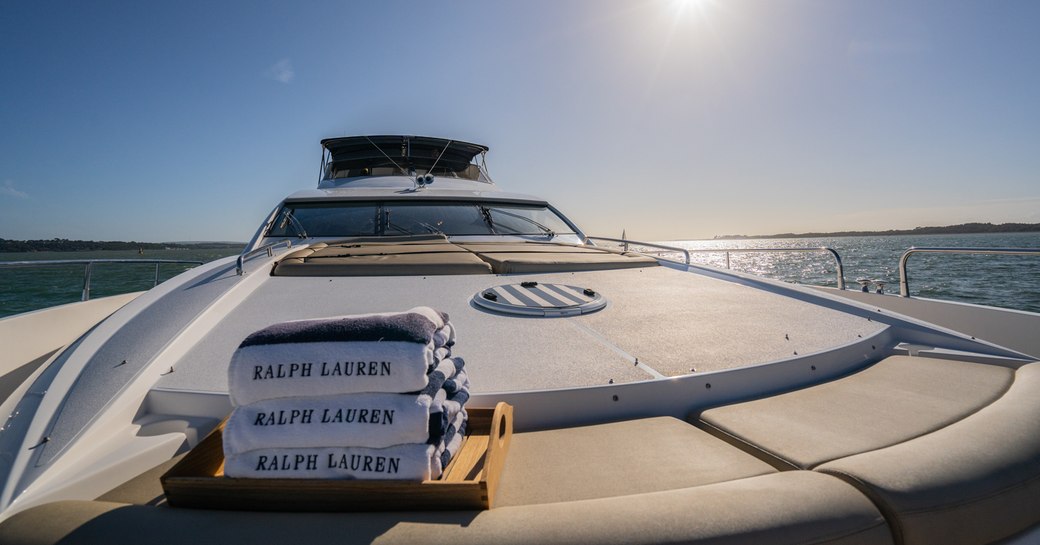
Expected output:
(863, 488)
(762, 454)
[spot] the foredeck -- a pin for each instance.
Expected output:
(658, 322)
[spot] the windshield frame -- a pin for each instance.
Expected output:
(286, 220)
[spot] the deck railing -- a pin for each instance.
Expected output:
(839, 268)
(904, 280)
(89, 266)
(626, 243)
(268, 249)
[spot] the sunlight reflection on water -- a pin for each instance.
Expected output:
(1004, 281)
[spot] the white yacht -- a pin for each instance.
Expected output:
(654, 401)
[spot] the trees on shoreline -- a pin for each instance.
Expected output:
(959, 229)
(66, 245)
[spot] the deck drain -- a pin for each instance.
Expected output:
(540, 299)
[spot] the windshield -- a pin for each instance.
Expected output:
(389, 218)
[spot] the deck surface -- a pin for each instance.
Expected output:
(671, 321)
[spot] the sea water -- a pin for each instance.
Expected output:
(1002, 281)
(32, 288)
(1008, 281)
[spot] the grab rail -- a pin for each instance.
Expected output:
(840, 269)
(268, 248)
(90, 265)
(904, 281)
(626, 242)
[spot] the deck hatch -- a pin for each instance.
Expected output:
(540, 299)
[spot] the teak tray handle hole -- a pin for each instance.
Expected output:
(499, 436)
(503, 431)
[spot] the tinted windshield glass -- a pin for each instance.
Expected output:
(348, 219)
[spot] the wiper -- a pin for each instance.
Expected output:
(545, 230)
(296, 225)
(394, 226)
(430, 228)
(485, 212)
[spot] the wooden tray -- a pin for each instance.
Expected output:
(469, 481)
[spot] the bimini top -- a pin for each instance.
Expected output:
(357, 156)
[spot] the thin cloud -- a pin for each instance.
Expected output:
(9, 190)
(281, 71)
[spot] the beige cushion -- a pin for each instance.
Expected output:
(386, 249)
(385, 265)
(541, 257)
(894, 400)
(576, 464)
(542, 262)
(975, 481)
(533, 247)
(406, 258)
(630, 457)
(417, 256)
(797, 507)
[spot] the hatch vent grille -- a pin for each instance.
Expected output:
(540, 299)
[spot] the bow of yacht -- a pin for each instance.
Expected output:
(654, 401)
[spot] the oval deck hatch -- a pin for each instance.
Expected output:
(540, 299)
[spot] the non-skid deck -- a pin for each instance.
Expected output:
(674, 323)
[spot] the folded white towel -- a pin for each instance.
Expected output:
(445, 336)
(445, 403)
(401, 462)
(364, 353)
(443, 411)
(372, 420)
(449, 445)
(360, 420)
(413, 462)
(458, 382)
(263, 372)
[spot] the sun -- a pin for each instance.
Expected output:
(684, 7)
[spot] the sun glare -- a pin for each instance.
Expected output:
(682, 8)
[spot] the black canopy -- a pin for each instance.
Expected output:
(409, 152)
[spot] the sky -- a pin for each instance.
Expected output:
(177, 121)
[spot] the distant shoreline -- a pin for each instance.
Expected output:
(960, 229)
(65, 245)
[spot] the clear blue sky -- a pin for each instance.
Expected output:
(158, 121)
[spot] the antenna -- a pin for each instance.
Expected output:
(434, 165)
(385, 155)
(423, 180)
(321, 169)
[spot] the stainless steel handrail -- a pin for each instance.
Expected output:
(834, 254)
(840, 268)
(90, 265)
(904, 281)
(626, 242)
(268, 248)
